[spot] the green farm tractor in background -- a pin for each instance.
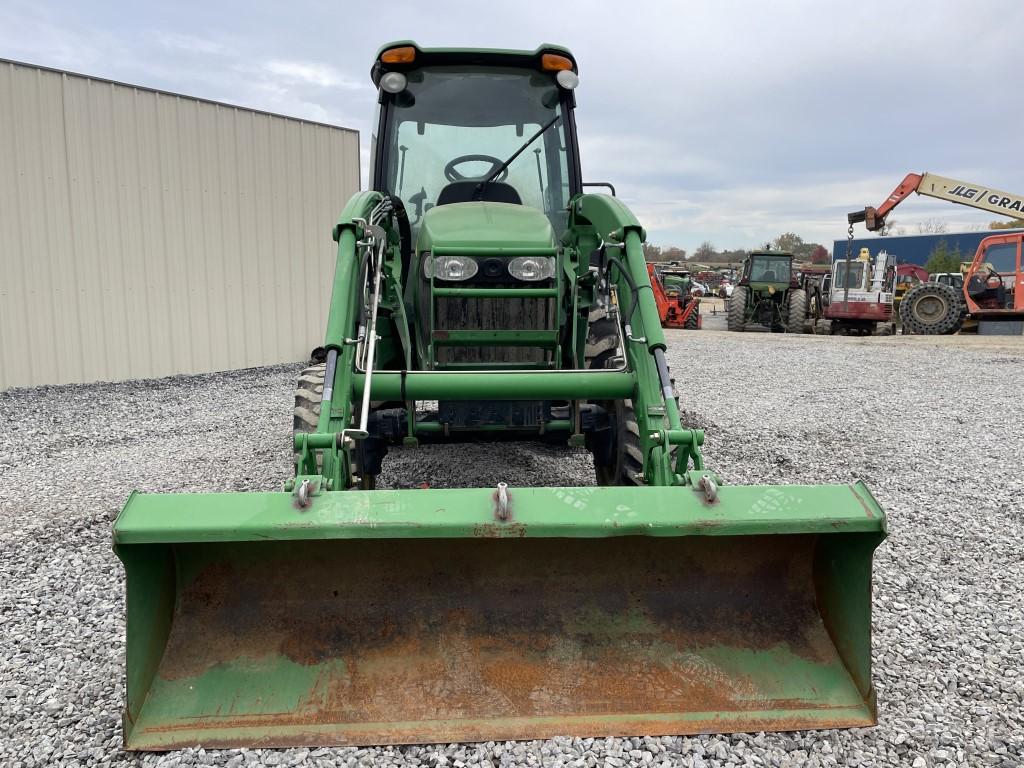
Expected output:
(768, 294)
(480, 293)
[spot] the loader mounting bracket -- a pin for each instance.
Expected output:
(705, 484)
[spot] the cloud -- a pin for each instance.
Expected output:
(312, 73)
(730, 121)
(192, 44)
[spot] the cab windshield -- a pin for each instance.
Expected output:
(770, 269)
(856, 276)
(452, 127)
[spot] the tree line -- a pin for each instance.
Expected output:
(946, 259)
(942, 259)
(707, 253)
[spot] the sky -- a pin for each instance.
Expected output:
(721, 121)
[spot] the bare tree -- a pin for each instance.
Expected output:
(932, 227)
(652, 252)
(889, 228)
(673, 254)
(705, 251)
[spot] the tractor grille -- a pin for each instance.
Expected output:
(491, 314)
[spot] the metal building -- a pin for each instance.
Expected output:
(145, 233)
(917, 249)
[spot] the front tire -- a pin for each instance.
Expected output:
(309, 393)
(627, 459)
(932, 309)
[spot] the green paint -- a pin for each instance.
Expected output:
(500, 226)
(497, 338)
(504, 385)
(538, 512)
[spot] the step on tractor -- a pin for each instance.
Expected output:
(768, 294)
(677, 306)
(991, 293)
(480, 293)
(861, 293)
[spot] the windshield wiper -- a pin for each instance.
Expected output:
(479, 191)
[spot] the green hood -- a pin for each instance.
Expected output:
(485, 224)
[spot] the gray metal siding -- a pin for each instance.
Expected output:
(147, 234)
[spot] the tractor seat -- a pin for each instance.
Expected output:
(465, 191)
(768, 276)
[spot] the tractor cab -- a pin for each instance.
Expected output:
(459, 127)
(480, 148)
(768, 269)
(994, 282)
(677, 281)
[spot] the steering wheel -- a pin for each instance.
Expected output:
(453, 175)
(978, 284)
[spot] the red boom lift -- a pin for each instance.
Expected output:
(993, 289)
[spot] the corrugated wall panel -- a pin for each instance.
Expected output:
(144, 233)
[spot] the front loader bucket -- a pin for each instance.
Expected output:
(388, 617)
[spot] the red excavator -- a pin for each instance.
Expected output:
(993, 287)
(677, 306)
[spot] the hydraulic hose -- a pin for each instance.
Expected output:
(634, 298)
(404, 232)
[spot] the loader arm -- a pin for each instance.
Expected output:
(655, 403)
(942, 188)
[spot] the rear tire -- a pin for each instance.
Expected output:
(932, 309)
(796, 313)
(737, 308)
(692, 322)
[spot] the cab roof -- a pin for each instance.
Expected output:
(484, 57)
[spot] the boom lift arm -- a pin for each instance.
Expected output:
(962, 192)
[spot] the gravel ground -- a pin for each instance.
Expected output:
(932, 426)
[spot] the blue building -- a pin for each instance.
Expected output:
(916, 249)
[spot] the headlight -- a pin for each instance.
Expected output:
(532, 268)
(449, 267)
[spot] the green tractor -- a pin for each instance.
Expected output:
(480, 293)
(768, 294)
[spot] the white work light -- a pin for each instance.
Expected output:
(567, 79)
(393, 82)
